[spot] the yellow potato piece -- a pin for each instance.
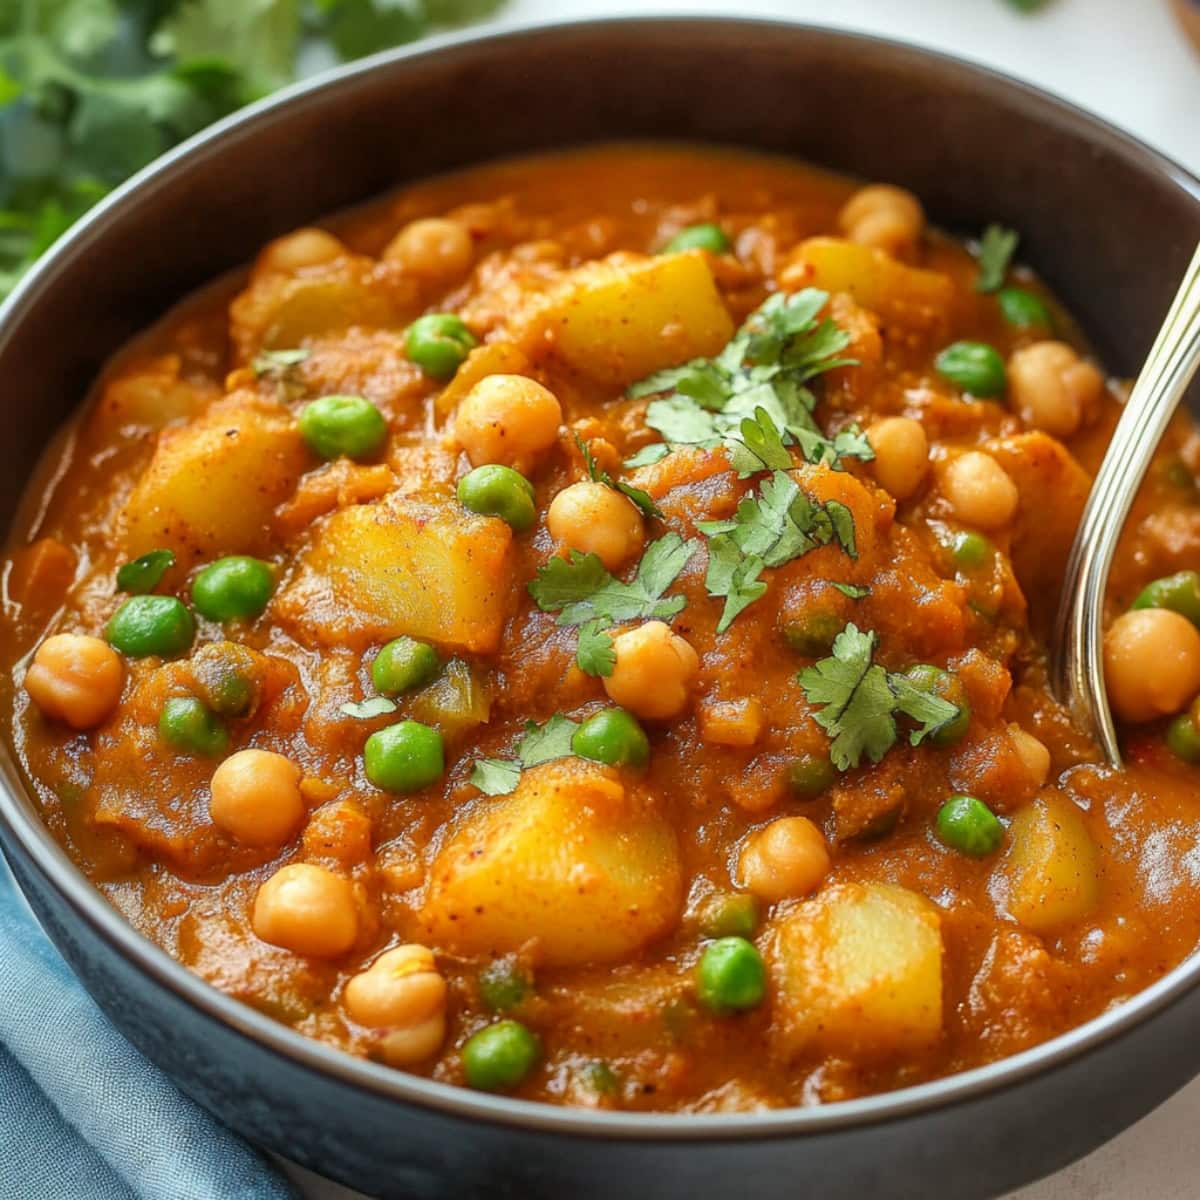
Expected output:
(906, 296)
(212, 484)
(857, 972)
(430, 570)
(624, 317)
(571, 859)
(1052, 866)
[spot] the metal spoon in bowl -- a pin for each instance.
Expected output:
(1077, 652)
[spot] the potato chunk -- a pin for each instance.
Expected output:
(905, 296)
(1052, 867)
(623, 317)
(858, 972)
(403, 566)
(212, 484)
(571, 859)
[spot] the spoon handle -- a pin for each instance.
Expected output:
(1077, 667)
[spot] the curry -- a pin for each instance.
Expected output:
(577, 628)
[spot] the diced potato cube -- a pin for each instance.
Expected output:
(1052, 866)
(492, 358)
(457, 702)
(278, 311)
(404, 566)
(901, 295)
(624, 317)
(148, 397)
(857, 972)
(571, 859)
(213, 484)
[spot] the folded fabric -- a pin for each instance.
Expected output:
(83, 1116)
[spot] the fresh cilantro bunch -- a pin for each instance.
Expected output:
(541, 743)
(93, 90)
(709, 402)
(583, 593)
(771, 528)
(859, 701)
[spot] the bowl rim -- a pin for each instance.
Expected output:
(19, 820)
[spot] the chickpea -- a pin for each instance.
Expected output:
(1052, 388)
(308, 910)
(786, 858)
(980, 490)
(304, 248)
(255, 797)
(507, 419)
(76, 679)
(901, 454)
(886, 217)
(403, 992)
(433, 248)
(1151, 663)
(592, 518)
(654, 671)
(1032, 753)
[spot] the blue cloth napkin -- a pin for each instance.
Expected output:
(83, 1116)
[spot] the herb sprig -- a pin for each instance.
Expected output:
(597, 474)
(541, 743)
(709, 402)
(996, 248)
(859, 701)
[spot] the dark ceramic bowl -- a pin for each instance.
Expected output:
(1109, 223)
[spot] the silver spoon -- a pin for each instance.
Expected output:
(1077, 652)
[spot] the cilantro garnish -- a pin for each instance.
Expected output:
(859, 701)
(278, 363)
(364, 710)
(144, 574)
(996, 249)
(771, 528)
(582, 592)
(100, 87)
(853, 590)
(499, 776)
(763, 370)
(598, 474)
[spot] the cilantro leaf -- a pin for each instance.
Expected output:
(642, 499)
(144, 574)
(996, 249)
(595, 654)
(733, 575)
(580, 589)
(278, 362)
(541, 743)
(759, 446)
(364, 710)
(859, 701)
(648, 455)
(853, 590)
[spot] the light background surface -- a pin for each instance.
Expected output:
(1127, 61)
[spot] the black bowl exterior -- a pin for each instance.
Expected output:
(1110, 225)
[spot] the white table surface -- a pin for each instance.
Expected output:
(1127, 61)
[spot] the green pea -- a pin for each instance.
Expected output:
(705, 236)
(1023, 309)
(503, 985)
(500, 1057)
(403, 665)
(438, 343)
(612, 736)
(496, 491)
(734, 915)
(970, 550)
(812, 634)
(404, 757)
(187, 725)
(229, 678)
(343, 425)
(731, 976)
(967, 825)
(941, 683)
(810, 775)
(975, 367)
(1179, 592)
(1183, 738)
(146, 625)
(238, 586)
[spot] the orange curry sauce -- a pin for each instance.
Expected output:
(604, 906)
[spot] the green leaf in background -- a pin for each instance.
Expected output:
(93, 90)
